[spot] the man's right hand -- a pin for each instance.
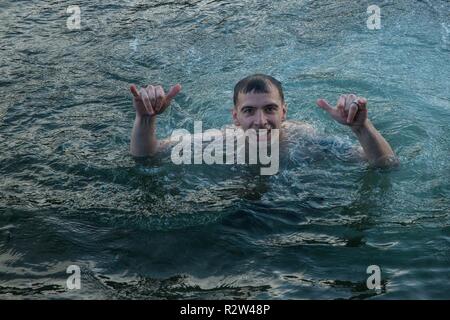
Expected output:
(151, 100)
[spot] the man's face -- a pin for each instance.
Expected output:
(259, 110)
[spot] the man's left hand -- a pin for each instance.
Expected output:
(350, 110)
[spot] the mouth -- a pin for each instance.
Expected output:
(264, 135)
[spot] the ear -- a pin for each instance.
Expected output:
(235, 119)
(284, 111)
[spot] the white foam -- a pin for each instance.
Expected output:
(445, 34)
(134, 44)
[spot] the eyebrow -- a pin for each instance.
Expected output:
(265, 106)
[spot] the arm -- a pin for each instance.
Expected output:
(148, 103)
(143, 137)
(376, 148)
(352, 111)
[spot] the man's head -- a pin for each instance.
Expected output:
(259, 103)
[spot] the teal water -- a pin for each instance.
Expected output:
(71, 194)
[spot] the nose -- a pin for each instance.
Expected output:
(260, 120)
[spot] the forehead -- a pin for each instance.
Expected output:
(259, 99)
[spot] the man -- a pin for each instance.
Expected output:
(259, 104)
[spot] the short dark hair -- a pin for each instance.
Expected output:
(259, 83)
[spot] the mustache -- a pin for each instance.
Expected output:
(258, 128)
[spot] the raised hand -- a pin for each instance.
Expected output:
(350, 110)
(151, 100)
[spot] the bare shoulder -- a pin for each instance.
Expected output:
(299, 127)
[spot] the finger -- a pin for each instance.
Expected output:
(322, 103)
(159, 94)
(137, 101)
(151, 95)
(146, 101)
(341, 104)
(341, 101)
(362, 103)
(352, 112)
(349, 101)
(134, 91)
(172, 93)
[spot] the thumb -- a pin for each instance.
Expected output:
(322, 103)
(173, 92)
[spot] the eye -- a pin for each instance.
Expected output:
(271, 109)
(247, 110)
